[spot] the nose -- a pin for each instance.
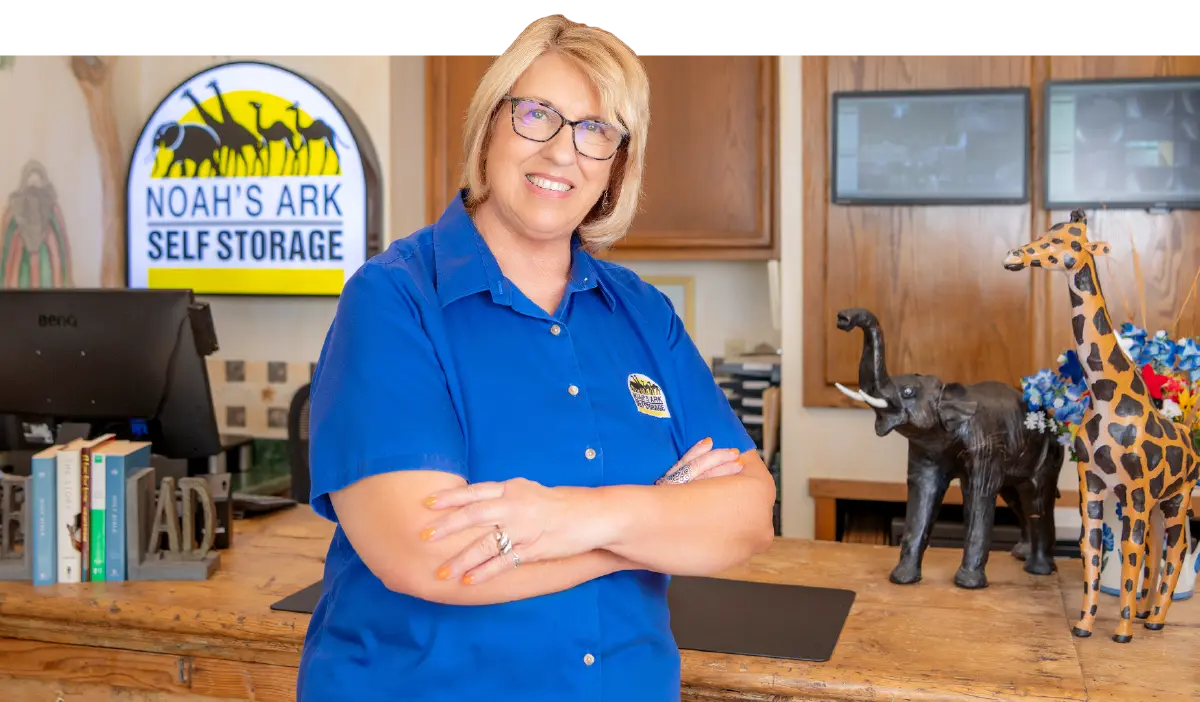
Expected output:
(1014, 261)
(561, 149)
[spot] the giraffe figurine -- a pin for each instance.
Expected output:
(1123, 445)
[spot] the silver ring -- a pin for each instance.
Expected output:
(683, 475)
(502, 542)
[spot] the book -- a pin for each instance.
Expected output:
(44, 495)
(115, 461)
(87, 478)
(73, 560)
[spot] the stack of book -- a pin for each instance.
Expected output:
(78, 509)
(751, 383)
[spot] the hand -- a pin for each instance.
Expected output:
(539, 522)
(702, 461)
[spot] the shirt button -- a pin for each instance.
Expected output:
(573, 390)
(555, 329)
(589, 659)
(590, 453)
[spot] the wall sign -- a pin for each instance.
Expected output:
(249, 179)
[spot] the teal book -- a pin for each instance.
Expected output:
(45, 496)
(120, 459)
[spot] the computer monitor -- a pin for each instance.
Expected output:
(129, 362)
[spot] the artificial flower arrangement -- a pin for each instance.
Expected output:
(1170, 367)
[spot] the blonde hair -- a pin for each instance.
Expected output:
(624, 89)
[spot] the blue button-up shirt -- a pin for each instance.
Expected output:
(436, 361)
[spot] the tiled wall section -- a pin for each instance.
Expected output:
(252, 397)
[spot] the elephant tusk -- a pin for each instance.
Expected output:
(876, 402)
(852, 394)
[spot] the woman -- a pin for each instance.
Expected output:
(498, 419)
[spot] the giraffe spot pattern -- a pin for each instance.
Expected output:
(1170, 568)
(1104, 460)
(1125, 612)
(1095, 484)
(1031, 250)
(1076, 246)
(1137, 499)
(1092, 610)
(1133, 562)
(1076, 300)
(1129, 583)
(1172, 536)
(1100, 322)
(1093, 425)
(1044, 246)
(1077, 323)
(1168, 428)
(1095, 538)
(1121, 493)
(1093, 359)
(1084, 281)
(1174, 488)
(1156, 485)
(1139, 533)
(1117, 359)
(1170, 508)
(1137, 386)
(1128, 407)
(1052, 259)
(1058, 226)
(1153, 429)
(1096, 558)
(1081, 450)
(1132, 463)
(1056, 240)
(1104, 389)
(1095, 509)
(1076, 231)
(1153, 454)
(1123, 434)
(1174, 459)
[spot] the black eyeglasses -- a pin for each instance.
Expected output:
(537, 121)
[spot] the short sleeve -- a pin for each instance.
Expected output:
(379, 397)
(700, 401)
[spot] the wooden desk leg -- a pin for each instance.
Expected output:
(825, 512)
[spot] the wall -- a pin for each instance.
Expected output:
(388, 93)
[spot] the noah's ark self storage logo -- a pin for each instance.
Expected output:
(247, 179)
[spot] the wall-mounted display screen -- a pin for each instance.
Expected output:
(930, 147)
(1123, 143)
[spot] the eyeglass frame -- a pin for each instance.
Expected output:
(512, 103)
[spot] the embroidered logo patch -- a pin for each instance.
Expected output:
(648, 396)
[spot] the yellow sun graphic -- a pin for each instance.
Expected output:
(246, 133)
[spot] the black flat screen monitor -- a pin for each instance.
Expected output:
(129, 362)
(1123, 144)
(930, 147)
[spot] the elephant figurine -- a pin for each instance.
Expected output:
(975, 433)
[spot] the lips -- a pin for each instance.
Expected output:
(552, 184)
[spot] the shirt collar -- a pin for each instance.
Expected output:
(465, 265)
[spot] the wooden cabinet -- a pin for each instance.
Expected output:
(709, 188)
(933, 275)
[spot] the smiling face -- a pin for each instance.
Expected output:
(544, 189)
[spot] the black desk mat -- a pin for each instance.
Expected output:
(734, 617)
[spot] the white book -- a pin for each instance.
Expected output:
(69, 513)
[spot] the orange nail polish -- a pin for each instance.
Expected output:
(427, 534)
(431, 501)
(707, 440)
(443, 572)
(741, 458)
(468, 579)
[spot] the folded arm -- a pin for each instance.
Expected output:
(698, 528)
(383, 516)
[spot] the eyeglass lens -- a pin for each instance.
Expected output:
(538, 122)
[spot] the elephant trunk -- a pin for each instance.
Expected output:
(873, 376)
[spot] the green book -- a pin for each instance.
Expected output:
(97, 527)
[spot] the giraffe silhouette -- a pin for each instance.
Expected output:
(278, 131)
(318, 130)
(215, 127)
(236, 135)
(197, 143)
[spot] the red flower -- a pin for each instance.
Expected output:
(1173, 388)
(1154, 381)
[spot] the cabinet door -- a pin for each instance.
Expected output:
(709, 187)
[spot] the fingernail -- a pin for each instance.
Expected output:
(427, 534)
(707, 440)
(468, 579)
(431, 501)
(443, 572)
(738, 455)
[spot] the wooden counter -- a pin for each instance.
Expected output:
(220, 640)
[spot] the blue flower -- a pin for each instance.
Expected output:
(1187, 356)
(1109, 543)
(1071, 368)
(1135, 342)
(1161, 349)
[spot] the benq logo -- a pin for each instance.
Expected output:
(57, 320)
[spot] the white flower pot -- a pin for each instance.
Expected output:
(1110, 568)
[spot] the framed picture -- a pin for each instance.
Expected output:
(682, 291)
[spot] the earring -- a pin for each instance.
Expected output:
(604, 202)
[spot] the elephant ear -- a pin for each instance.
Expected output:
(954, 409)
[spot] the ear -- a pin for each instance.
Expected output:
(1097, 248)
(954, 409)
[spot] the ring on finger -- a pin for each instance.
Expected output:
(502, 541)
(683, 475)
